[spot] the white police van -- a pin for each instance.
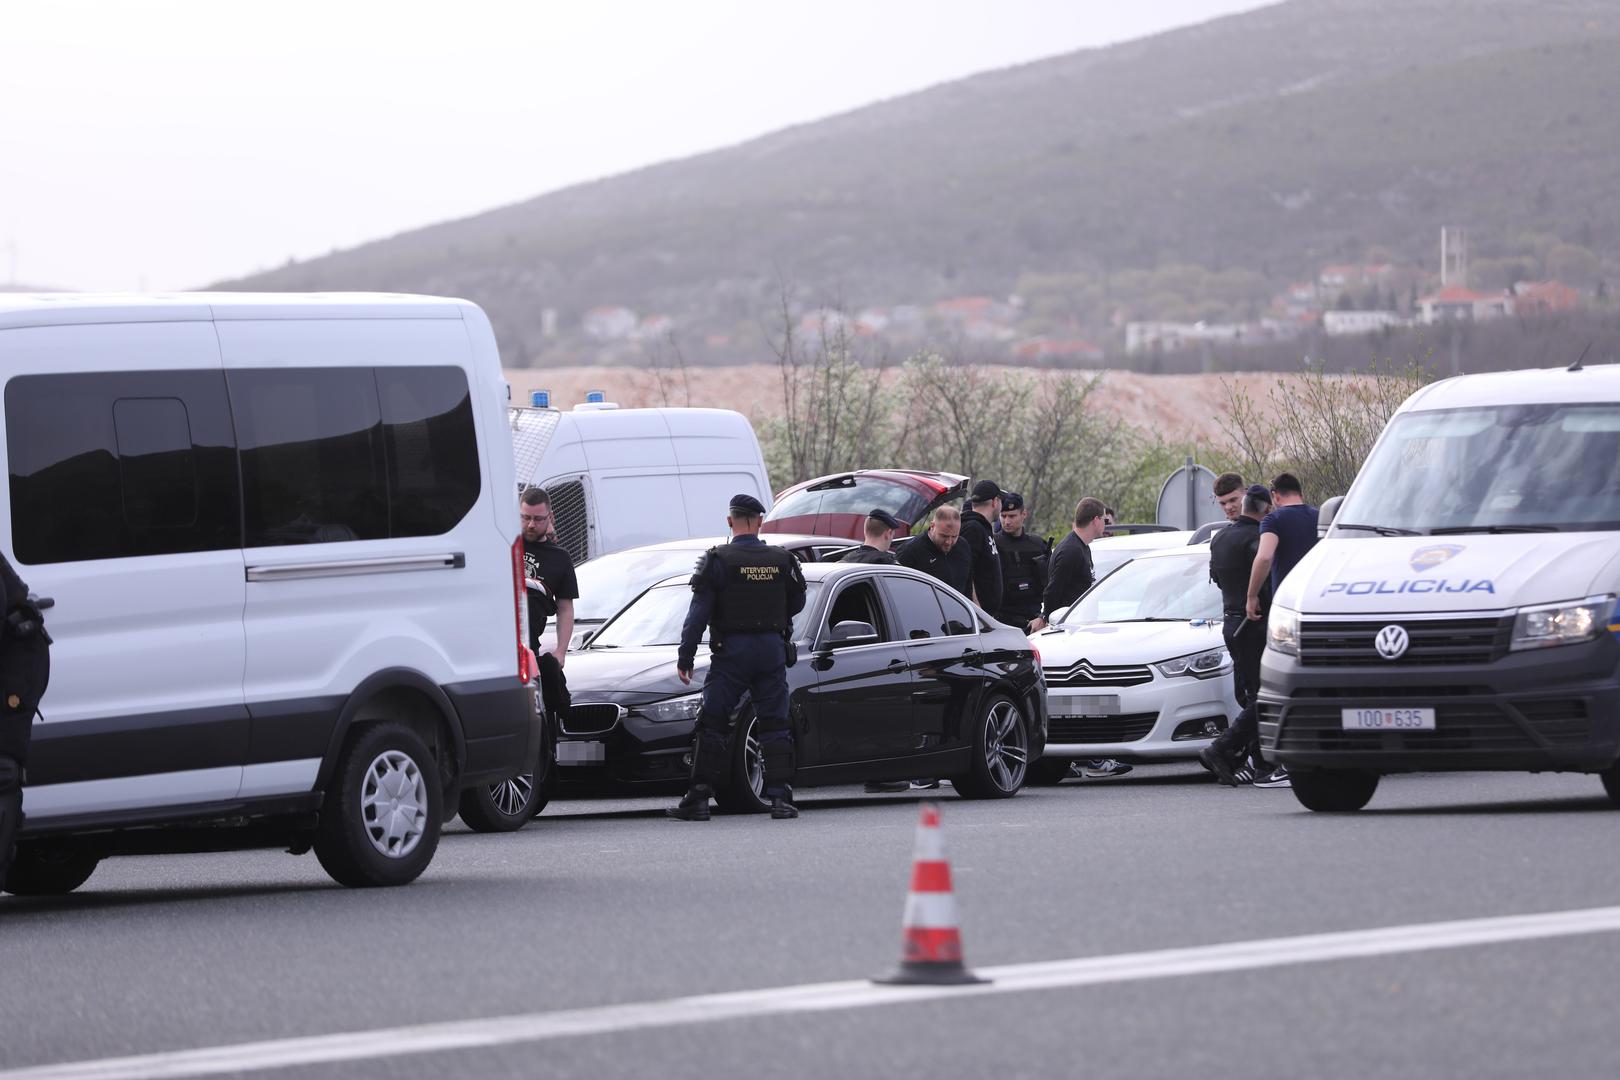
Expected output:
(282, 544)
(1461, 611)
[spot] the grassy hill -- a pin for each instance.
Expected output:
(1268, 142)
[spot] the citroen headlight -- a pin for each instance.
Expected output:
(1561, 624)
(1282, 631)
(672, 709)
(1202, 665)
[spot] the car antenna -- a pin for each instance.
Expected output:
(1576, 366)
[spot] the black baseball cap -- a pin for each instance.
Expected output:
(984, 491)
(746, 506)
(1259, 491)
(1011, 500)
(888, 519)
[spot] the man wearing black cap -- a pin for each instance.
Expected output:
(984, 506)
(1232, 551)
(880, 530)
(1023, 566)
(745, 594)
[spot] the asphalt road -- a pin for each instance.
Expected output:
(602, 902)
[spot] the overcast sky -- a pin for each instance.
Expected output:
(165, 145)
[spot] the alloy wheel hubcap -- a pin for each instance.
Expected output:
(511, 796)
(1006, 750)
(754, 760)
(393, 804)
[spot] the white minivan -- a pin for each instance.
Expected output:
(622, 478)
(280, 536)
(1461, 611)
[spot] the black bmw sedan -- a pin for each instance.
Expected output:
(898, 678)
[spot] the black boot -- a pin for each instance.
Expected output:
(1215, 760)
(694, 805)
(781, 809)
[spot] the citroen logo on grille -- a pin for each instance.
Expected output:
(1392, 642)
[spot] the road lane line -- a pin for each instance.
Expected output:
(822, 997)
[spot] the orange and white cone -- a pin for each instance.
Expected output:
(931, 953)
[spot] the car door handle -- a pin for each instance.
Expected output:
(897, 662)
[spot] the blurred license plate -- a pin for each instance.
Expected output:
(1095, 705)
(581, 753)
(1388, 719)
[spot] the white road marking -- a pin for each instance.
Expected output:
(822, 997)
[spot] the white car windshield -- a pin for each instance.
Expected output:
(1507, 468)
(657, 616)
(608, 583)
(1174, 588)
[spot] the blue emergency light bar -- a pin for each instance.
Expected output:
(595, 397)
(540, 399)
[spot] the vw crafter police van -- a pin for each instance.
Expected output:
(282, 544)
(1461, 611)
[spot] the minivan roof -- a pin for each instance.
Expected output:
(1535, 386)
(57, 309)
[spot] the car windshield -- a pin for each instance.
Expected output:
(1175, 588)
(1105, 560)
(1505, 468)
(657, 616)
(608, 583)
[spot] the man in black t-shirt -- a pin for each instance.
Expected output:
(548, 571)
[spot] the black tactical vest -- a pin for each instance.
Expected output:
(1021, 584)
(753, 599)
(1231, 558)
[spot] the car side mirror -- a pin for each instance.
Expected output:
(844, 634)
(1326, 513)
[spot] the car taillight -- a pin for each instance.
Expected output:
(1037, 650)
(520, 609)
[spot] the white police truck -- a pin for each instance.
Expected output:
(1461, 612)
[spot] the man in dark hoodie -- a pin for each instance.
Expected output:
(979, 535)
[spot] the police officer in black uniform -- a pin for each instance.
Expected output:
(1023, 565)
(979, 534)
(24, 671)
(880, 529)
(1232, 551)
(746, 593)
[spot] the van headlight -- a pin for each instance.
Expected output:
(1561, 624)
(672, 709)
(1202, 665)
(1282, 631)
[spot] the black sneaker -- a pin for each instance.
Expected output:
(1276, 778)
(694, 805)
(782, 810)
(1102, 768)
(1215, 761)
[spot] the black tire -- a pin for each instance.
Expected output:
(1333, 790)
(1047, 772)
(1000, 752)
(508, 805)
(42, 868)
(744, 790)
(386, 759)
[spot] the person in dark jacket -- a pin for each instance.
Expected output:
(1071, 573)
(1023, 565)
(1232, 552)
(880, 529)
(24, 673)
(745, 594)
(979, 535)
(939, 552)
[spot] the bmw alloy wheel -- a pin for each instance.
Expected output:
(754, 760)
(1006, 745)
(511, 796)
(393, 804)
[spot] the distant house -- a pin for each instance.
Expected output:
(1352, 275)
(1457, 304)
(828, 322)
(1544, 297)
(871, 321)
(1350, 323)
(1037, 349)
(610, 323)
(1141, 337)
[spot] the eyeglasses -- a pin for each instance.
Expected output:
(538, 520)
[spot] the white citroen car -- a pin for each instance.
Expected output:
(1137, 669)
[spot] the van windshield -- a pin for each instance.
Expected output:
(1508, 468)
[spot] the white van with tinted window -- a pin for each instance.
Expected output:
(281, 540)
(1461, 611)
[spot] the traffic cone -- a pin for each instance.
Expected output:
(931, 950)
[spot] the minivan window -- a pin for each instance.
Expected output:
(1505, 468)
(108, 465)
(432, 448)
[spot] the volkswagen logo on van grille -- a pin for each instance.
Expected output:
(1392, 642)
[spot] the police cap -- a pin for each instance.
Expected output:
(889, 520)
(746, 506)
(984, 491)
(1011, 500)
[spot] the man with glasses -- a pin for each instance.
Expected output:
(548, 571)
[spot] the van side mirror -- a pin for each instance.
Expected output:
(844, 634)
(1326, 513)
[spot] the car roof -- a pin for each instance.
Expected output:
(828, 571)
(703, 543)
(1145, 541)
(1171, 553)
(1536, 386)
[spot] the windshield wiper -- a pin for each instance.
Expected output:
(1454, 530)
(1381, 530)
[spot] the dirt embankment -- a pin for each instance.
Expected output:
(1177, 406)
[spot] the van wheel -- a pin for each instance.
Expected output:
(744, 791)
(1048, 772)
(1333, 790)
(46, 869)
(380, 821)
(1000, 752)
